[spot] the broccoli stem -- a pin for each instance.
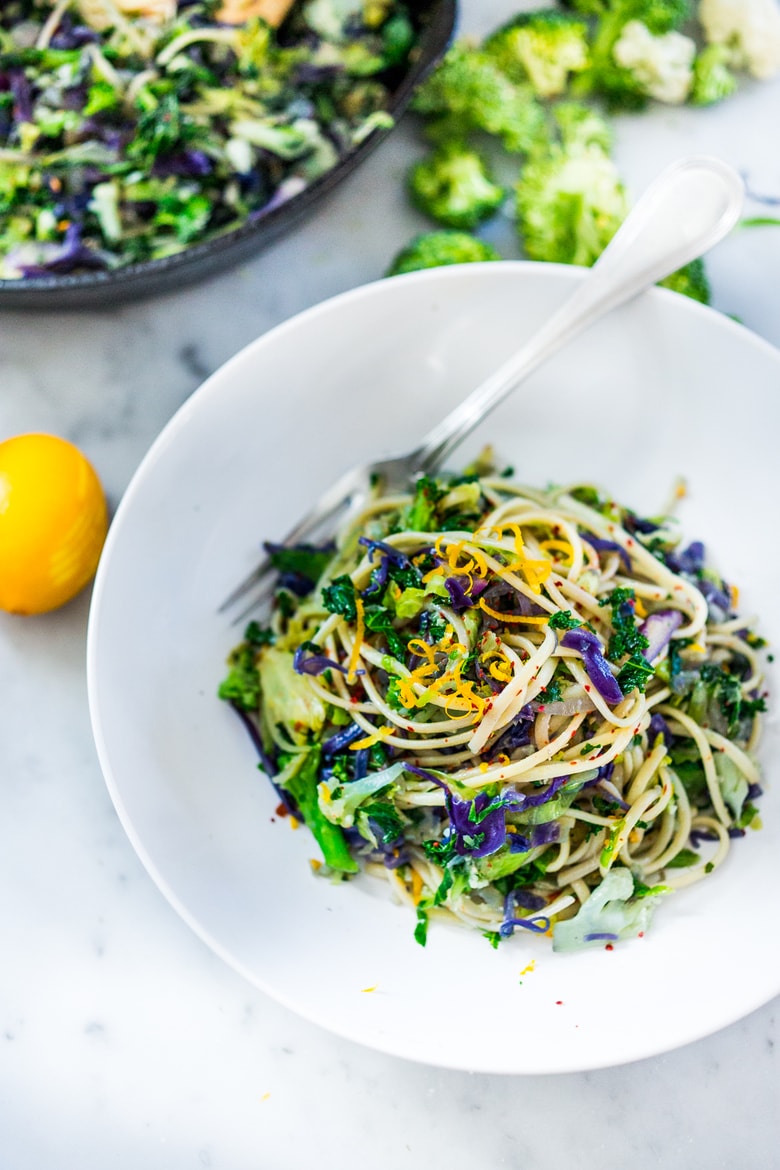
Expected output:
(302, 787)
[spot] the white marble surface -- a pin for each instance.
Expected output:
(123, 1041)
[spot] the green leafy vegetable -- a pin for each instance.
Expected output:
(300, 779)
(453, 187)
(339, 597)
(435, 249)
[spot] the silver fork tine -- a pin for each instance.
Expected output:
(335, 499)
(687, 210)
(263, 594)
(257, 575)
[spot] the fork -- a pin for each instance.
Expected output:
(690, 207)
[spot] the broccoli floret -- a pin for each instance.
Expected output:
(712, 79)
(581, 125)
(660, 16)
(434, 249)
(691, 281)
(570, 203)
(625, 87)
(453, 187)
(542, 48)
(585, 7)
(470, 92)
(750, 30)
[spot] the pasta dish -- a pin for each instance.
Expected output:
(531, 711)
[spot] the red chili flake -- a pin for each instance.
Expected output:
(609, 947)
(630, 543)
(587, 686)
(559, 1002)
(281, 811)
(641, 934)
(558, 584)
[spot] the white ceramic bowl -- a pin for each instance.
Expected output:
(664, 387)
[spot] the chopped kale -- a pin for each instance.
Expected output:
(563, 620)
(242, 683)
(433, 627)
(304, 561)
(720, 691)
(258, 635)
(626, 637)
(339, 597)
(551, 693)
(636, 672)
(406, 576)
(379, 620)
(385, 819)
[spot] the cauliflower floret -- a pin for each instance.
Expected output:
(662, 65)
(749, 28)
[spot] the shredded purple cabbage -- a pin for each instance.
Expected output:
(20, 88)
(658, 629)
(266, 763)
(388, 556)
(502, 597)
(690, 560)
(461, 595)
(714, 596)
(64, 258)
(607, 546)
(535, 925)
(517, 734)
(361, 763)
(659, 726)
(598, 935)
(477, 833)
(519, 801)
(527, 901)
(545, 834)
(342, 739)
(307, 662)
(641, 524)
(596, 665)
(604, 773)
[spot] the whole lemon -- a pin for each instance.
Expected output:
(53, 522)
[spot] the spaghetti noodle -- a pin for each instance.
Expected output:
(527, 710)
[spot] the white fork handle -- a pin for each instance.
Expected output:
(692, 205)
